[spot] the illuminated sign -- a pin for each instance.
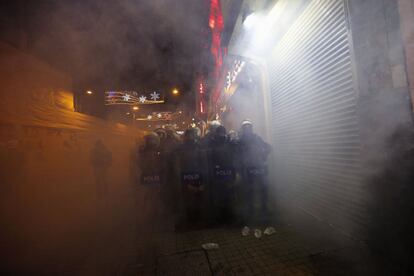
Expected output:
(132, 98)
(233, 73)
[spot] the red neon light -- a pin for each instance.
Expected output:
(216, 24)
(201, 107)
(216, 16)
(212, 23)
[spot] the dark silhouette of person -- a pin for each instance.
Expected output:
(101, 160)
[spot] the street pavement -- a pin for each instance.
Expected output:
(182, 254)
(149, 245)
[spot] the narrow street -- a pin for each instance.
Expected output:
(206, 137)
(163, 251)
(153, 247)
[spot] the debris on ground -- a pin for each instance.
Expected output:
(245, 231)
(269, 231)
(258, 233)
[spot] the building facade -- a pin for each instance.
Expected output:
(334, 81)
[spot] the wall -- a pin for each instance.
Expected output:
(380, 106)
(384, 101)
(50, 214)
(384, 72)
(406, 8)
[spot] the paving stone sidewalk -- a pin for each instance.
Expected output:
(181, 254)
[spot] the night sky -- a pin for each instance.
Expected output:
(119, 45)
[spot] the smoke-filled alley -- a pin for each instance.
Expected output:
(210, 137)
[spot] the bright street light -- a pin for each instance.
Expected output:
(251, 20)
(135, 108)
(175, 92)
(89, 92)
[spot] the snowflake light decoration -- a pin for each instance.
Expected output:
(155, 96)
(126, 97)
(142, 99)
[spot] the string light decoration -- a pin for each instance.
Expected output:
(131, 98)
(158, 116)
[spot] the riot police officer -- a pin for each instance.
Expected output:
(150, 164)
(168, 143)
(149, 161)
(222, 176)
(254, 153)
(211, 132)
(190, 171)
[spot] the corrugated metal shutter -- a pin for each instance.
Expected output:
(314, 120)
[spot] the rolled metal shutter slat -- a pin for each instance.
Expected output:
(314, 116)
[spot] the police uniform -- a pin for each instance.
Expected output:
(190, 172)
(254, 152)
(222, 170)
